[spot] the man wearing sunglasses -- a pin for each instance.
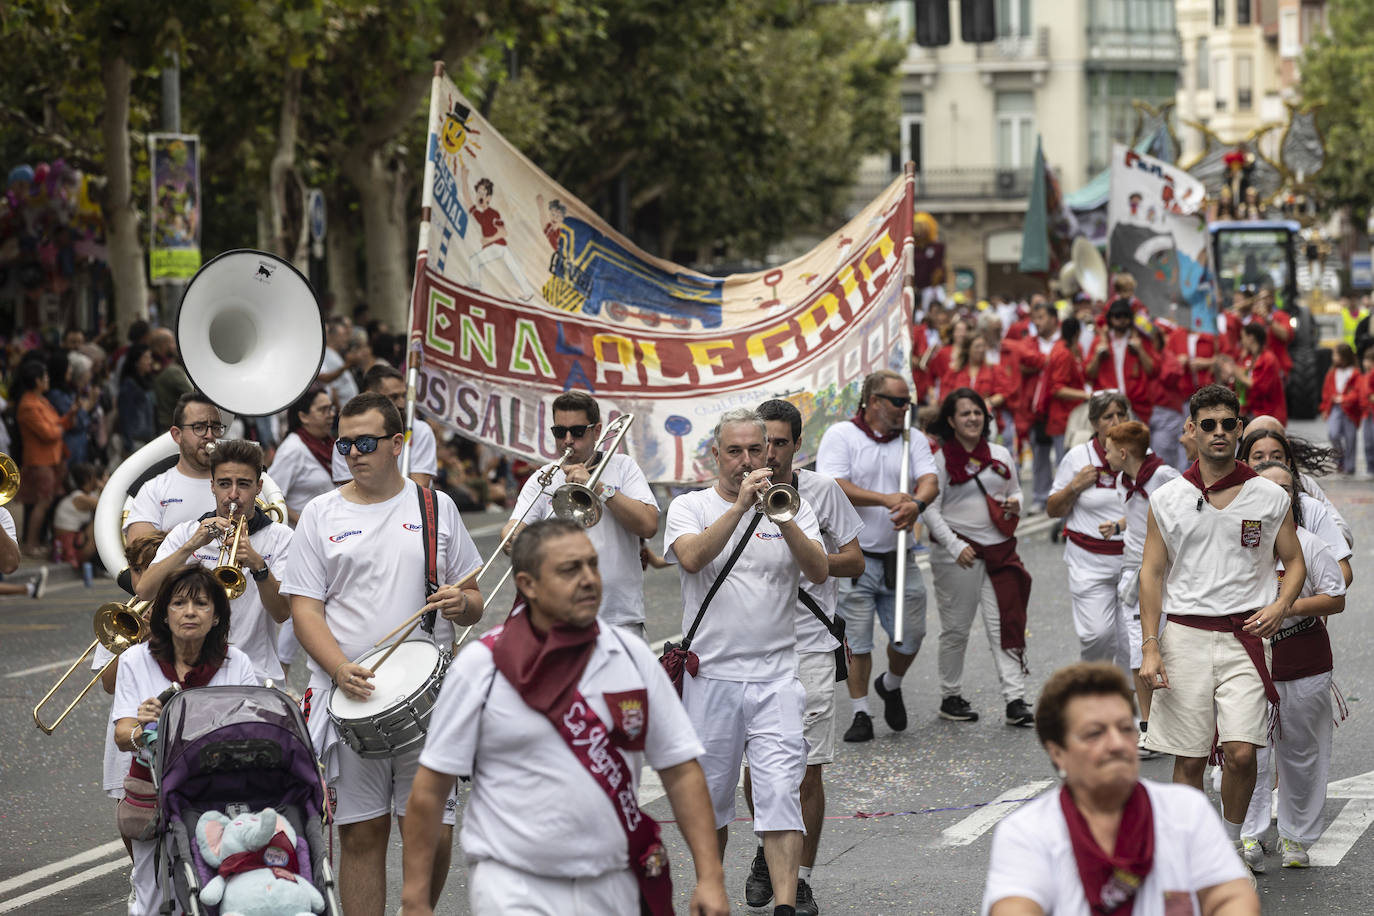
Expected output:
(180, 493)
(864, 456)
(424, 463)
(630, 510)
(356, 572)
(1208, 564)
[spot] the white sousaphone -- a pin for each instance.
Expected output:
(251, 336)
(1087, 271)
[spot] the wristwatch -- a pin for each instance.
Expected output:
(606, 491)
(920, 506)
(260, 575)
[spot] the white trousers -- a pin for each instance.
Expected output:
(147, 893)
(1302, 755)
(495, 889)
(1098, 618)
(961, 595)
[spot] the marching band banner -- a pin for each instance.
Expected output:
(521, 293)
(1157, 231)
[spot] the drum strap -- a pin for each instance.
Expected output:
(429, 521)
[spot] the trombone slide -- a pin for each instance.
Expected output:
(37, 714)
(117, 627)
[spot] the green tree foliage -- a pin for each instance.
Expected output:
(732, 122)
(1338, 74)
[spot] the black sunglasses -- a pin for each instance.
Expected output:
(577, 431)
(894, 400)
(1228, 423)
(366, 444)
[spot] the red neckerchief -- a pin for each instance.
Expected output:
(1110, 882)
(322, 449)
(279, 851)
(859, 421)
(198, 676)
(957, 460)
(1102, 466)
(542, 669)
(1147, 470)
(1239, 474)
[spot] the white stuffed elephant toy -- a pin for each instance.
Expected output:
(255, 856)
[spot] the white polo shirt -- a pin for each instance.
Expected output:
(423, 455)
(749, 632)
(533, 806)
(251, 628)
(1220, 560)
(847, 453)
(367, 564)
(839, 524)
(299, 473)
(171, 498)
(617, 548)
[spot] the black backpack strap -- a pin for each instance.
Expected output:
(429, 522)
(815, 609)
(725, 571)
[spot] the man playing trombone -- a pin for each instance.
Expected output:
(252, 560)
(744, 692)
(631, 512)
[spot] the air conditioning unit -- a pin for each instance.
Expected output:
(1006, 180)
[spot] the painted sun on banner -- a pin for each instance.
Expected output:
(521, 292)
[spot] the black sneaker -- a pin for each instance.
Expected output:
(956, 709)
(1019, 714)
(806, 902)
(894, 708)
(758, 887)
(861, 729)
(783, 909)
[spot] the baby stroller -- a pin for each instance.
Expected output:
(234, 749)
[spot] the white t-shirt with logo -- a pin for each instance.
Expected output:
(251, 628)
(299, 473)
(171, 498)
(846, 452)
(617, 548)
(749, 631)
(839, 524)
(367, 564)
(140, 677)
(1032, 855)
(423, 455)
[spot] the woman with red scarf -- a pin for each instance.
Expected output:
(302, 463)
(189, 647)
(974, 562)
(1109, 842)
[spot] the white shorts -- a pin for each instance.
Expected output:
(495, 889)
(366, 789)
(817, 673)
(764, 720)
(1214, 689)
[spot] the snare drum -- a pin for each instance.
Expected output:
(395, 717)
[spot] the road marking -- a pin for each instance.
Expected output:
(650, 787)
(46, 871)
(986, 817)
(39, 669)
(28, 627)
(1343, 833)
(66, 884)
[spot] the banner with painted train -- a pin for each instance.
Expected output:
(521, 292)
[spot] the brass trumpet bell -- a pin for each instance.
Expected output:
(9, 479)
(780, 503)
(226, 573)
(118, 627)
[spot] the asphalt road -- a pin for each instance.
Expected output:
(944, 785)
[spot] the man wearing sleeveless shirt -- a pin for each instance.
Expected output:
(1208, 563)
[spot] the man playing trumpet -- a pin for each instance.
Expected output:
(262, 549)
(631, 512)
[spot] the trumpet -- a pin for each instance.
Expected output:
(779, 503)
(226, 571)
(9, 478)
(578, 502)
(117, 627)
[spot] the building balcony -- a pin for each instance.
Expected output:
(1015, 54)
(954, 189)
(1110, 48)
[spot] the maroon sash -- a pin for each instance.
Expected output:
(1011, 583)
(1235, 624)
(1301, 650)
(1097, 545)
(594, 746)
(278, 855)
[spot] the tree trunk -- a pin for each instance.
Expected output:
(279, 174)
(380, 179)
(341, 255)
(121, 215)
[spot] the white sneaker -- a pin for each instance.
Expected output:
(1293, 853)
(1253, 854)
(1249, 872)
(1144, 752)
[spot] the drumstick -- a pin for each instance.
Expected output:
(420, 613)
(377, 664)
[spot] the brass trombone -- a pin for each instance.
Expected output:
(9, 478)
(578, 502)
(226, 571)
(117, 627)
